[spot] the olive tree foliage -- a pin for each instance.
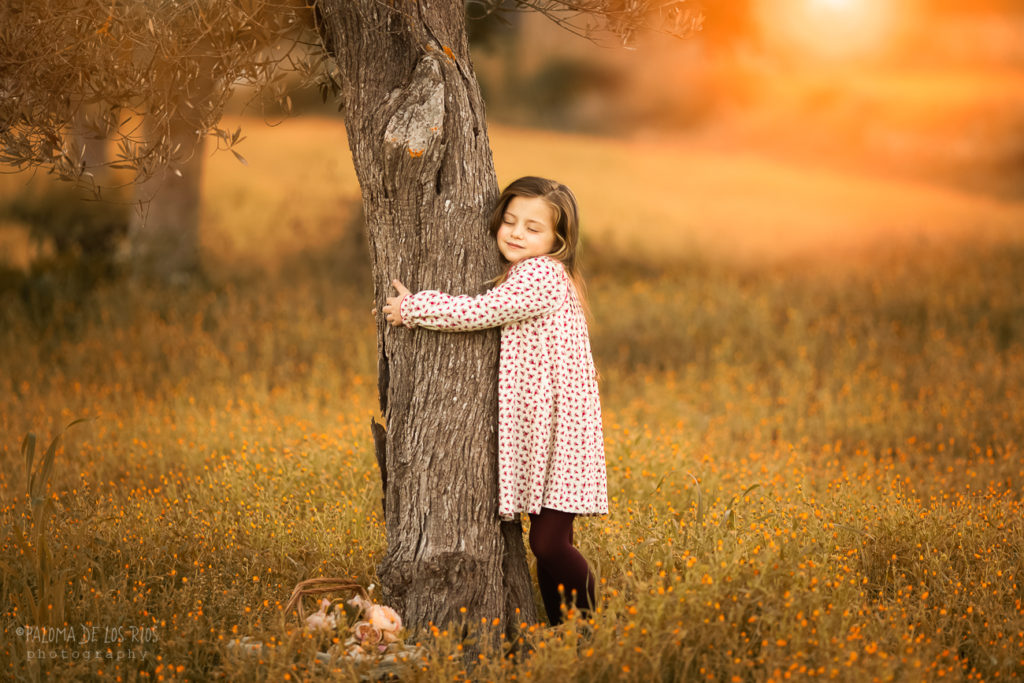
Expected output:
(615, 22)
(101, 68)
(129, 71)
(140, 86)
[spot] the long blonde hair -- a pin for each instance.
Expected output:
(567, 224)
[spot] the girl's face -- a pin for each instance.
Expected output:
(527, 229)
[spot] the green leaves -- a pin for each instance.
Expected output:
(46, 603)
(700, 500)
(729, 519)
(38, 478)
(28, 449)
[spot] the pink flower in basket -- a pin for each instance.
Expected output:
(368, 637)
(385, 619)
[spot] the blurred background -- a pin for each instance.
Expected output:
(926, 88)
(791, 124)
(782, 128)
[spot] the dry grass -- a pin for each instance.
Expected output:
(876, 409)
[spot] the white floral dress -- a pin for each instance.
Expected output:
(550, 443)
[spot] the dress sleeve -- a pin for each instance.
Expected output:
(533, 288)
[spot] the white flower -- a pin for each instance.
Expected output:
(321, 620)
(360, 603)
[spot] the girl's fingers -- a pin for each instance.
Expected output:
(391, 309)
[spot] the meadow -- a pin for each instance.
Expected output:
(813, 447)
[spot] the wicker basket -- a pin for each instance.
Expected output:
(320, 586)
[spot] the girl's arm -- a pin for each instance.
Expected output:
(533, 288)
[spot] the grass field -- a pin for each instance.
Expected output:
(813, 436)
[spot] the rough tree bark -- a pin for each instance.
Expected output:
(415, 123)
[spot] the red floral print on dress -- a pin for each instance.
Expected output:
(550, 442)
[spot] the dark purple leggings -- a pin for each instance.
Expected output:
(559, 563)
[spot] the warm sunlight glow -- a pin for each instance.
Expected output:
(828, 29)
(839, 4)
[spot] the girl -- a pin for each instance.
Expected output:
(550, 445)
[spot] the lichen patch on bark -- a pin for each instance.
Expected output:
(419, 120)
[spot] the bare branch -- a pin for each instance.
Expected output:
(618, 21)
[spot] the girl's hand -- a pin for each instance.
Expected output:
(393, 307)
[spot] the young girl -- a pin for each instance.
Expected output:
(550, 445)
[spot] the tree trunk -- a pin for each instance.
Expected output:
(163, 236)
(91, 143)
(415, 123)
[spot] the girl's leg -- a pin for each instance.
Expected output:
(559, 563)
(549, 595)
